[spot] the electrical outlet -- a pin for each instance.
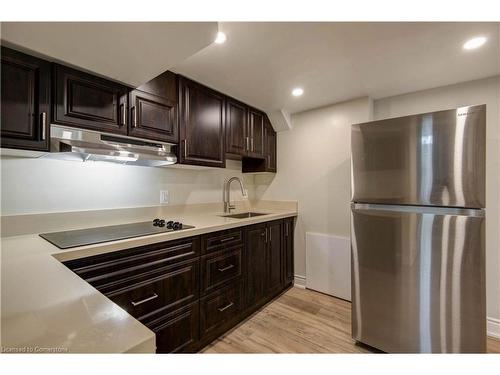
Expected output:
(163, 196)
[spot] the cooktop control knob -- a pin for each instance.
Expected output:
(155, 222)
(161, 223)
(169, 224)
(176, 225)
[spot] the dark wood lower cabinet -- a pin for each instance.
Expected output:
(274, 258)
(192, 290)
(288, 241)
(178, 331)
(256, 247)
(220, 310)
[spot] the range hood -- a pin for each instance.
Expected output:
(86, 145)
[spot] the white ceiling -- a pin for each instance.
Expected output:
(130, 52)
(260, 63)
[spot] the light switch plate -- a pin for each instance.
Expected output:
(164, 197)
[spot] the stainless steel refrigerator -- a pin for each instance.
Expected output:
(417, 232)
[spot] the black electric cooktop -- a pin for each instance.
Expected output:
(82, 237)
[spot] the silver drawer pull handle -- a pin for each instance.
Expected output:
(227, 239)
(140, 302)
(221, 309)
(226, 268)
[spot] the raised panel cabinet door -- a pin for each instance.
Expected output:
(237, 139)
(201, 125)
(178, 331)
(288, 264)
(86, 101)
(25, 101)
(256, 247)
(274, 257)
(152, 117)
(270, 141)
(256, 130)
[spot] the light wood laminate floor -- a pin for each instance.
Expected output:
(299, 321)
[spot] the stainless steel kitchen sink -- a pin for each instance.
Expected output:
(244, 215)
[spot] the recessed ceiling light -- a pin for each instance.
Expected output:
(221, 38)
(475, 42)
(297, 91)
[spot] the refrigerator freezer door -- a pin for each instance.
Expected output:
(418, 279)
(433, 159)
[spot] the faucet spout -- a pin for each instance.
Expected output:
(227, 193)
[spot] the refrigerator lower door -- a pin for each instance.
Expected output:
(418, 279)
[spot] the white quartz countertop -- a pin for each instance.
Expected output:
(45, 307)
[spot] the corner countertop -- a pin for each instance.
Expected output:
(46, 308)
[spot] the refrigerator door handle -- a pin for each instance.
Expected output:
(433, 210)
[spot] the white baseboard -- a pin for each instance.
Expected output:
(299, 281)
(493, 327)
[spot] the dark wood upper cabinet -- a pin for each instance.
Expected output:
(237, 134)
(153, 109)
(201, 125)
(266, 162)
(86, 101)
(152, 117)
(25, 101)
(270, 147)
(256, 133)
(164, 85)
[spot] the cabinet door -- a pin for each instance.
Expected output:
(288, 233)
(237, 139)
(90, 102)
(201, 125)
(152, 117)
(178, 331)
(256, 130)
(270, 141)
(256, 263)
(274, 258)
(25, 101)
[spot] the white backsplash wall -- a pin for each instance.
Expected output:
(42, 185)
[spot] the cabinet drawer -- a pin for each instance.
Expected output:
(220, 268)
(178, 331)
(219, 309)
(219, 240)
(101, 270)
(166, 288)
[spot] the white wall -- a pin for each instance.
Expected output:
(485, 91)
(43, 185)
(314, 168)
